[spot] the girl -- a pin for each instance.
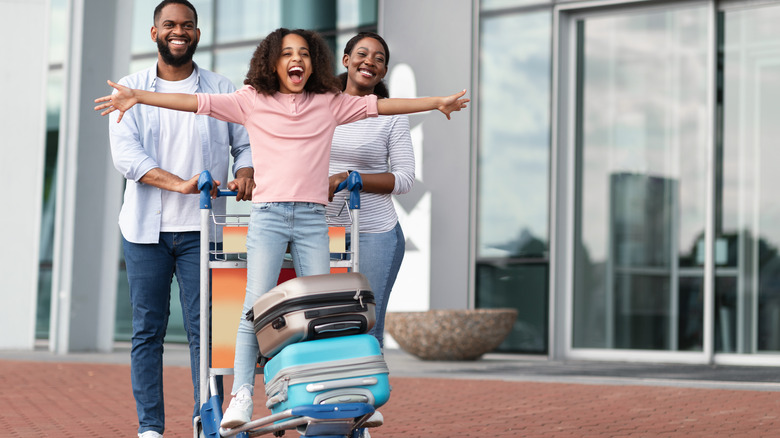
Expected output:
(381, 150)
(290, 105)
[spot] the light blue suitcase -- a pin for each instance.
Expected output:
(346, 369)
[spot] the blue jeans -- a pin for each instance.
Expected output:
(381, 255)
(272, 226)
(150, 271)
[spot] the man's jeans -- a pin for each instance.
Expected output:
(381, 255)
(272, 225)
(150, 270)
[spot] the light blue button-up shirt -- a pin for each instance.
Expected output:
(136, 140)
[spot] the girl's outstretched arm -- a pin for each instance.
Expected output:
(446, 104)
(125, 98)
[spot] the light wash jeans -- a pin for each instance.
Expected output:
(272, 225)
(381, 255)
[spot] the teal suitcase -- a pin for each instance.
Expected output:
(347, 369)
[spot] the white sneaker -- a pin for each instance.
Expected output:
(238, 412)
(149, 434)
(375, 420)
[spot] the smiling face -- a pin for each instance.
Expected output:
(176, 35)
(293, 67)
(366, 66)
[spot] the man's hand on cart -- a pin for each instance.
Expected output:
(244, 184)
(191, 187)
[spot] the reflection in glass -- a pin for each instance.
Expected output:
(514, 89)
(641, 182)
(58, 30)
(521, 286)
(356, 13)
(487, 5)
(233, 63)
(242, 20)
(749, 217)
(54, 100)
(514, 143)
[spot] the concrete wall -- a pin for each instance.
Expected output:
(431, 52)
(23, 128)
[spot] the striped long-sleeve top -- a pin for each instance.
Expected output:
(375, 145)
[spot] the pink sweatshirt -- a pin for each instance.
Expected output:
(290, 136)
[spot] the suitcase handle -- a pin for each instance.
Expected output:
(356, 325)
(334, 327)
(343, 383)
(309, 314)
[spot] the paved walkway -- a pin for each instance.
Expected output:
(500, 396)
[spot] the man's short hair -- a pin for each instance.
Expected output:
(164, 3)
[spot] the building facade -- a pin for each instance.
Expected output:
(611, 180)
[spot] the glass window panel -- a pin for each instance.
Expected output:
(487, 5)
(143, 20)
(319, 15)
(690, 316)
(55, 93)
(54, 101)
(749, 215)
(642, 155)
(234, 63)
(58, 30)
(341, 41)
(514, 90)
(137, 65)
(522, 287)
(242, 20)
(356, 13)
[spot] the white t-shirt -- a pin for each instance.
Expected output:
(180, 154)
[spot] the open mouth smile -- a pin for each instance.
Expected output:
(296, 74)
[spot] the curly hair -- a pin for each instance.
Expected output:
(261, 75)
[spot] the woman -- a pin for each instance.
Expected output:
(381, 150)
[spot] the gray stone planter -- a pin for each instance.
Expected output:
(464, 334)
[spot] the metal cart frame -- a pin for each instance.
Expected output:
(315, 421)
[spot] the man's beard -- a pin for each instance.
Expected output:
(172, 60)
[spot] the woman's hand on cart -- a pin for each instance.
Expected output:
(243, 185)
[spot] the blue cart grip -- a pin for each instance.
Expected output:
(211, 416)
(205, 184)
(353, 183)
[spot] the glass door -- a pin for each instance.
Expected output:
(641, 146)
(747, 286)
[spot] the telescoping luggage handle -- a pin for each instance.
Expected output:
(353, 183)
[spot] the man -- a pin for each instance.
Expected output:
(161, 153)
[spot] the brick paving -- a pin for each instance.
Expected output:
(64, 399)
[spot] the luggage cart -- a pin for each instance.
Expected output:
(313, 421)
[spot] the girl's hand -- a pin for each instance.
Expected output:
(123, 99)
(334, 181)
(453, 103)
